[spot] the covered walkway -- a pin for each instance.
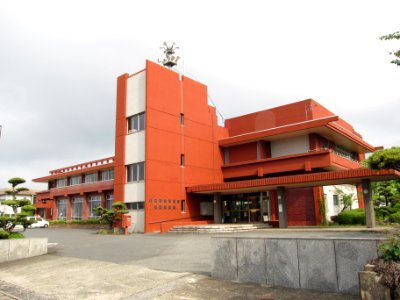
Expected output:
(364, 176)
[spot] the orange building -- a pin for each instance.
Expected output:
(174, 165)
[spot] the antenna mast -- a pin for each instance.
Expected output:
(170, 60)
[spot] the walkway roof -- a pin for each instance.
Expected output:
(295, 181)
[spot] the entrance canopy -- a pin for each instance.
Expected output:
(293, 181)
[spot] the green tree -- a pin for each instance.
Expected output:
(112, 216)
(393, 36)
(387, 192)
(27, 209)
(384, 159)
(15, 181)
(345, 199)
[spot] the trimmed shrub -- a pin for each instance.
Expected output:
(4, 234)
(351, 217)
(58, 222)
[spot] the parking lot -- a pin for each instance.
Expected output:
(86, 265)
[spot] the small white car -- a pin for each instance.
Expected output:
(40, 222)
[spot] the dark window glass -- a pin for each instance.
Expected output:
(135, 172)
(183, 206)
(136, 122)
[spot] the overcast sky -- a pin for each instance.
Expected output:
(59, 61)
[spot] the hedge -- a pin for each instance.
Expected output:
(351, 217)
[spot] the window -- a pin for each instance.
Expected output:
(93, 201)
(182, 159)
(135, 172)
(76, 180)
(92, 177)
(136, 123)
(182, 119)
(61, 182)
(77, 208)
(62, 209)
(107, 174)
(336, 200)
(183, 206)
(109, 201)
(135, 205)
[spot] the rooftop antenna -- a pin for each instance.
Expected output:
(170, 59)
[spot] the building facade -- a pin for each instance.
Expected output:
(173, 161)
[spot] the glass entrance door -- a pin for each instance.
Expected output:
(241, 208)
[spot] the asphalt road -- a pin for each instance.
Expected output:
(166, 252)
(168, 266)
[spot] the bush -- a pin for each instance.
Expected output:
(382, 213)
(351, 217)
(395, 218)
(4, 234)
(16, 235)
(58, 222)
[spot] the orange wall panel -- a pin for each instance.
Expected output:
(167, 97)
(120, 132)
(243, 152)
(160, 120)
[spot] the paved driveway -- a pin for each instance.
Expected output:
(85, 265)
(167, 252)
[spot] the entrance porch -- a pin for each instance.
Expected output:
(229, 206)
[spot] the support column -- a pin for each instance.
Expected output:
(217, 208)
(282, 209)
(85, 207)
(368, 204)
(69, 208)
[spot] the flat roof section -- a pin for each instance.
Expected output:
(295, 181)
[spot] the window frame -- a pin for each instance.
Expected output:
(136, 123)
(135, 172)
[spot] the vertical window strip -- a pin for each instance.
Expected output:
(135, 172)
(136, 122)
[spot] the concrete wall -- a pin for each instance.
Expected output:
(329, 265)
(22, 248)
(294, 145)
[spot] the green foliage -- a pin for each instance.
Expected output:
(322, 209)
(16, 181)
(16, 235)
(389, 250)
(58, 222)
(4, 234)
(386, 192)
(395, 217)
(384, 159)
(104, 231)
(345, 199)
(393, 36)
(383, 213)
(14, 190)
(351, 217)
(28, 209)
(112, 216)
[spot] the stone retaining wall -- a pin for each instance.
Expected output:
(22, 248)
(325, 264)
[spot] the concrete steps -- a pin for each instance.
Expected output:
(217, 228)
